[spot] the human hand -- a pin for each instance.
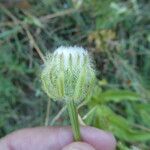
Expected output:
(57, 138)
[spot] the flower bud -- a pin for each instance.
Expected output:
(68, 74)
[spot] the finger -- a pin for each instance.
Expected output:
(55, 138)
(78, 146)
(39, 138)
(101, 140)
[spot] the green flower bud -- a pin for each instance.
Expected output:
(68, 74)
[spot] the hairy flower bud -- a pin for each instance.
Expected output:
(68, 74)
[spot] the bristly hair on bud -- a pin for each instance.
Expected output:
(68, 74)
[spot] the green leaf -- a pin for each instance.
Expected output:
(9, 33)
(34, 21)
(122, 128)
(119, 95)
(106, 119)
(122, 146)
(143, 110)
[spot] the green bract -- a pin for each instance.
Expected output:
(68, 74)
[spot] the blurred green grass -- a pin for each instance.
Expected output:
(115, 32)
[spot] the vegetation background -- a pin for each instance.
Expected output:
(116, 32)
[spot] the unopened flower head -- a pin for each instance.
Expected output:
(68, 74)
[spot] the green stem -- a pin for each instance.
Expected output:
(47, 112)
(72, 109)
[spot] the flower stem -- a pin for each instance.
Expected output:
(47, 113)
(72, 110)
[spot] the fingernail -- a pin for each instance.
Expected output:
(78, 146)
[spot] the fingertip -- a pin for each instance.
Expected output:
(78, 146)
(100, 139)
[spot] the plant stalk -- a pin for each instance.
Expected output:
(47, 113)
(73, 114)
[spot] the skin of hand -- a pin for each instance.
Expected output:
(58, 138)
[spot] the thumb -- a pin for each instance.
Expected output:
(78, 146)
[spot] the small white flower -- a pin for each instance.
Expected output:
(68, 74)
(74, 52)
